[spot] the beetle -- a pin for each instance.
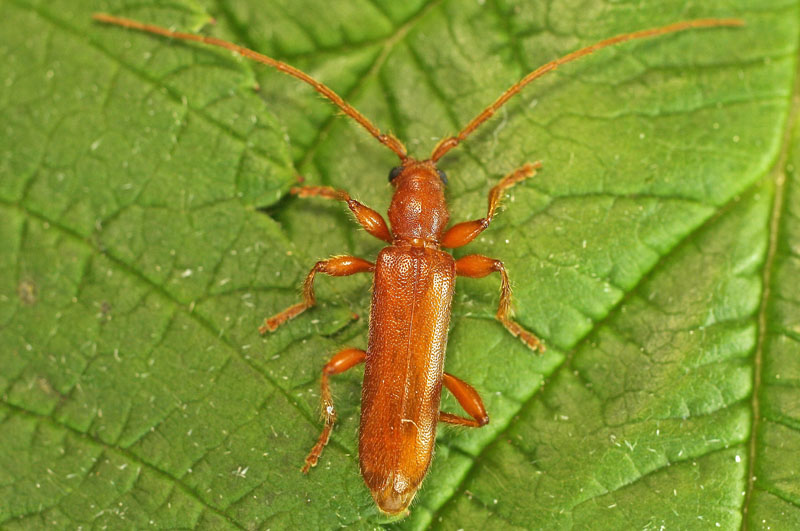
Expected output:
(412, 290)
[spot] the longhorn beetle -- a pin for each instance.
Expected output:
(413, 281)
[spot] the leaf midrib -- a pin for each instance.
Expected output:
(778, 177)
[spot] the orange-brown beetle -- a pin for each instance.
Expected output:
(412, 290)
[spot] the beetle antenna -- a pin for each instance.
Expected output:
(389, 140)
(447, 144)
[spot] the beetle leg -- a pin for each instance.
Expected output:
(469, 399)
(462, 233)
(343, 360)
(370, 219)
(478, 266)
(338, 266)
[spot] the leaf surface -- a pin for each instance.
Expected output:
(147, 231)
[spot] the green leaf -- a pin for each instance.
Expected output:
(147, 232)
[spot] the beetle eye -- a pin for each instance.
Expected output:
(395, 172)
(442, 175)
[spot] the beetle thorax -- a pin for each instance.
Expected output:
(418, 210)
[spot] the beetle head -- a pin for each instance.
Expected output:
(418, 208)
